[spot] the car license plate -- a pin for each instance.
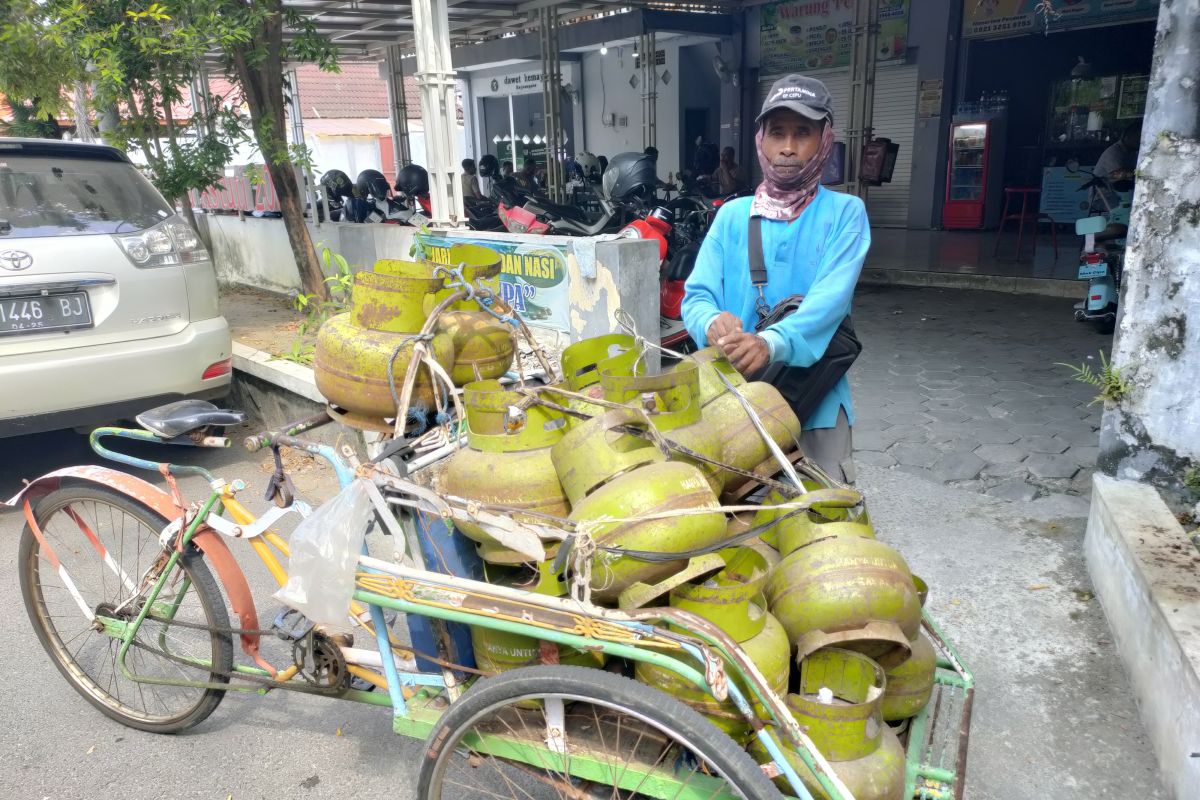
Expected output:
(41, 313)
(1093, 270)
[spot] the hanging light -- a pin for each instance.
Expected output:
(507, 138)
(526, 139)
(496, 139)
(604, 48)
(537, 139)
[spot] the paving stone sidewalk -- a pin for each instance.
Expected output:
(961, 387)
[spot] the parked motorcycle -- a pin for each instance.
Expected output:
(1102, 263)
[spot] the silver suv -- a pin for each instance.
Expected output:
(108, 299)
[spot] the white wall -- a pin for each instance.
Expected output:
(607, 90)
(350, 154)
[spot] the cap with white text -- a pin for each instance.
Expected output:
(807, 96)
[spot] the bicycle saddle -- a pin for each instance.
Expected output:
(185, 416)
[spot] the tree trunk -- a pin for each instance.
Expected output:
(185, 202)
(1151, 435)
(262, 84)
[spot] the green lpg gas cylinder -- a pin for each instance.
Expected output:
(850, 592)
(838, 705)
(910, 684)
(507, 460)
(499, 651)
(732, 600)
(610, 473)
(354, 349)
(672, 402)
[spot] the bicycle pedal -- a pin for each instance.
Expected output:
(290, 624)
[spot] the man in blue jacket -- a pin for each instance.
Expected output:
(814, 242)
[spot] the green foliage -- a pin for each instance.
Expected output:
(1113, 387)
(36, 59)
(1191, 479)
(300, 353)
(26, 122)
(339, 285)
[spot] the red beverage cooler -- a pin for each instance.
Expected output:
(974, 177)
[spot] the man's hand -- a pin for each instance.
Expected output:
(748, 352)
(722, 326)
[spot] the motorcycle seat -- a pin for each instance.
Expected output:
(185, 416)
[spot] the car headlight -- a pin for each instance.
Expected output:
(169, 243)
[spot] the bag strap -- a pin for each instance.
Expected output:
(758, 266)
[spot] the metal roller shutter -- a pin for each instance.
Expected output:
(895, 118)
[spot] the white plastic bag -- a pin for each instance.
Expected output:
(325, 549)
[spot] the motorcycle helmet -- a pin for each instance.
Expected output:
(337, 183)
(372, 184)
(413, 181)
(630, 176)
(489, 166)
(589, 164)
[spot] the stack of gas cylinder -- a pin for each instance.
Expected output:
(389, 307)
(829, 615)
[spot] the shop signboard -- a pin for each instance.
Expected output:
(996, 18)
(805, 35)
(1061, 197)
(524, 82)
(533, 275)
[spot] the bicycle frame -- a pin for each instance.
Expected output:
(700, 656)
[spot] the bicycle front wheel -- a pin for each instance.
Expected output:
(570, 732)
(104, 543)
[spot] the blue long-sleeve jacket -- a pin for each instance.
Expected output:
(819, 255)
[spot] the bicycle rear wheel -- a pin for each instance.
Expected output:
(82, 524)
(570, 732)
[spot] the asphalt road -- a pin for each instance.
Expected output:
(278, 746)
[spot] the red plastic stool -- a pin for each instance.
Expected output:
(1021, 217)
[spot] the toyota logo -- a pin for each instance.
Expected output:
(15, 260)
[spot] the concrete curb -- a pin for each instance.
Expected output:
(875, 276)
(1143, 568)
(287, 375)
(278, 392)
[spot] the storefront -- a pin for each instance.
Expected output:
(1054, 98)
(508, 109)
(815, 38)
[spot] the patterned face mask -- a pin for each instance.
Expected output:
(779, 197)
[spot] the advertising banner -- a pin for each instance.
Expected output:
(239, 193)
(533, 277)
(983, 18)
(806, 35)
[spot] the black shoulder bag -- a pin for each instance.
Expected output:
(803, 387)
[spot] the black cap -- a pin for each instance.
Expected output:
(807, 96)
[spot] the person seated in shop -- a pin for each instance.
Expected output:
(506, 169)
(1116, 165)
(728, 176)
(470, 181)
(528, 175)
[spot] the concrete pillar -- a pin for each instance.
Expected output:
(863, 50)
(435, 79)
(552, 102)
(936, 29)
(1153, 434)
(648, 51)
(304, 177)
(397, 107)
